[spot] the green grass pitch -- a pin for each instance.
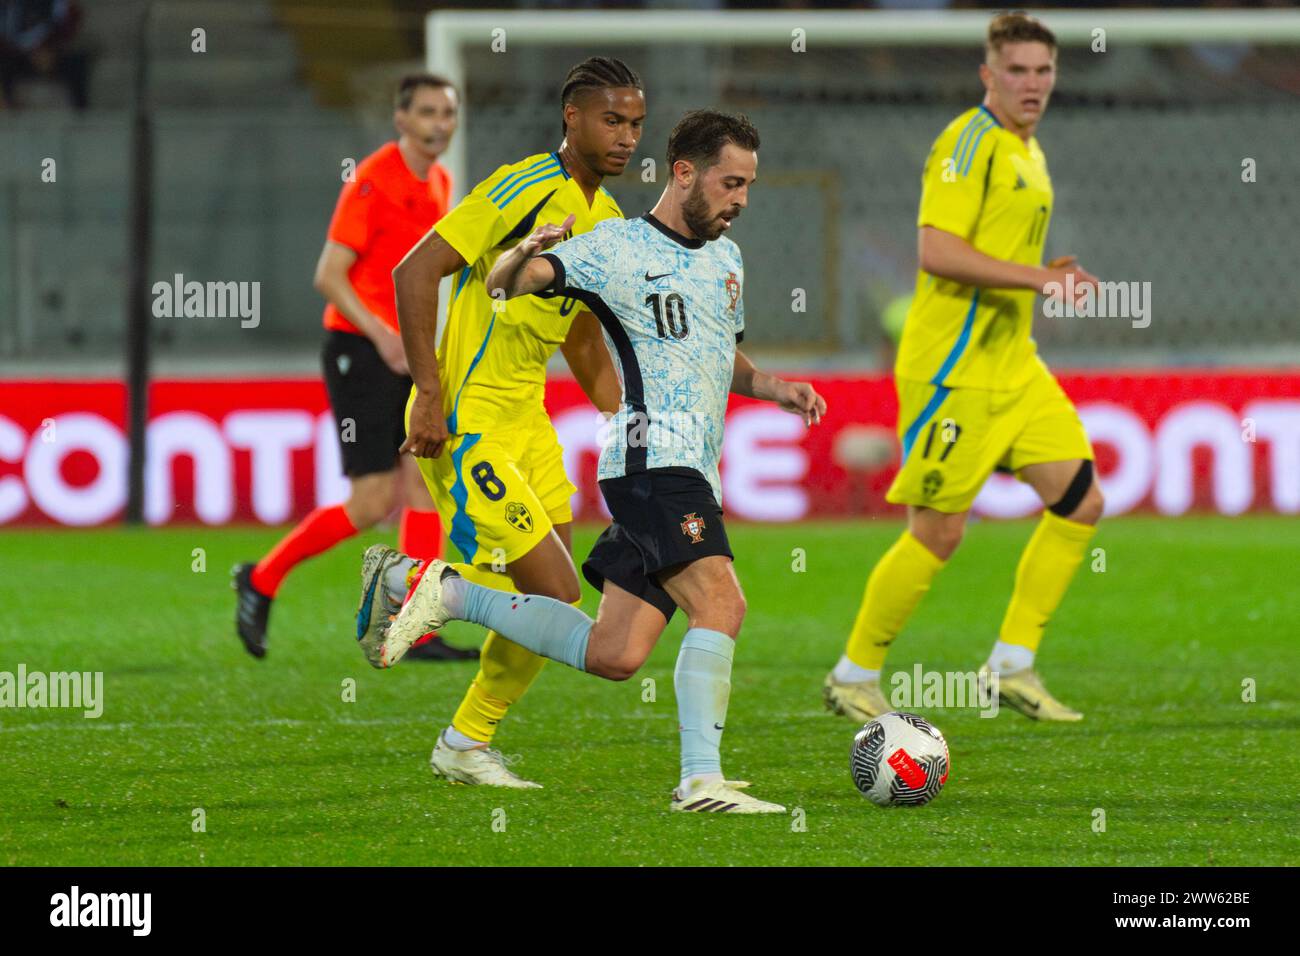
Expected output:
(1154, 649)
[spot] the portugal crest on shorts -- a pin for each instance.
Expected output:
(519, 517)
(693, 527)
(733, 289)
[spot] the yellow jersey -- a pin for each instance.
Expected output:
(494, 373)
(990, 187)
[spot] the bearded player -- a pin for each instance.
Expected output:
(476, 423)
(667, 288)
(973, 394)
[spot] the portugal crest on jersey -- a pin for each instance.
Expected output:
(733, 289)
(693, 527)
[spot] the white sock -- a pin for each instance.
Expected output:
(847, 672)
(1007, 658)
(458, 741)
(694, 780)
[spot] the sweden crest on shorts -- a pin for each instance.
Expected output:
(931, 483)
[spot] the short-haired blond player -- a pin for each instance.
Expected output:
(973, 395)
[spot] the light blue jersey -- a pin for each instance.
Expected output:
(672, 314)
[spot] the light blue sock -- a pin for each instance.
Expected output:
(703, 683)
(544, 625)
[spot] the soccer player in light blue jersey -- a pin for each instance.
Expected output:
(667, 289)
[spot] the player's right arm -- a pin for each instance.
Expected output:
(415, 282)
(349, 236)
(952, 257)
(331, 280)
(953, 187)
(480, 223)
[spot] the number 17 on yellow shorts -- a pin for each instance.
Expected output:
(954, 439)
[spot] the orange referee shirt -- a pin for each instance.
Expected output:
(380, 215)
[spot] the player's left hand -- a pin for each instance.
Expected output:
(801, 399)
(544, 237)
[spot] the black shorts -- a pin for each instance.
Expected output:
(663, 518)
(369, 403)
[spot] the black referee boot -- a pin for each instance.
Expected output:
(252, 611)
(439, 650)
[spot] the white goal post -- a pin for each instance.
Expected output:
(447, 33)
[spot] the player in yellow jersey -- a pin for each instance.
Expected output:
(973, 394)
(475, 422)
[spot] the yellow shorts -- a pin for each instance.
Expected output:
(499, 494)
(953, 439)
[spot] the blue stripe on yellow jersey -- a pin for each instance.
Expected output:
(986, 185)
(493, 372)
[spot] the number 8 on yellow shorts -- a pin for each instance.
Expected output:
(953, 439)
(500, 493)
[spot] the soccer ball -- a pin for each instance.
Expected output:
(899, 760)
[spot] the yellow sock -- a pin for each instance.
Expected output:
(1045, 571)
(897, 583)
(505, 671)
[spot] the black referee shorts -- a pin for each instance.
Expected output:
(663, 518)
(369, 403)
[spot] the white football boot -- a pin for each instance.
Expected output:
(423, 612)
(721, 797)
(1023, 690)
(377, 606)
(862, 701)
(481, 766)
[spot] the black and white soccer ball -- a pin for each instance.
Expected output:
(899, 760)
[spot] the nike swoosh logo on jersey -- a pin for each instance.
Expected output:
(650, 278)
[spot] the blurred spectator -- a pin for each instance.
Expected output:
(35, 42)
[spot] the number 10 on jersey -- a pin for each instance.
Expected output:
(670, 314)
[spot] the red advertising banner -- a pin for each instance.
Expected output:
(265, 451)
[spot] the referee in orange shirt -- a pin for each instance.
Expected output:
(397, 195)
